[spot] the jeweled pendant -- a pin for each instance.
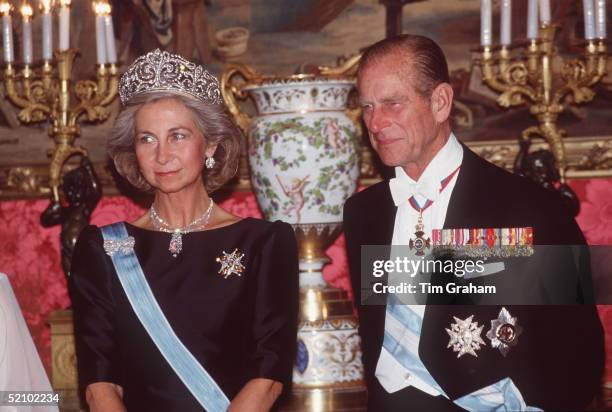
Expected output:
(176, 243)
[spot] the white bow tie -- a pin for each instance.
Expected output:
(402, 190)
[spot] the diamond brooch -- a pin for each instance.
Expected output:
(231, 264)
(124, 246)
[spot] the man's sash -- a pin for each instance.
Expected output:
(497, 397)
(191, 373)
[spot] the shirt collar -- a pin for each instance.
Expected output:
(448, 158)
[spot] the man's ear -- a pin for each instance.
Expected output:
(442, 102)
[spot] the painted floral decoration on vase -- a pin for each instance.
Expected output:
(302, 150)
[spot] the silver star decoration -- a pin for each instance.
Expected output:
(124, 246)
(504, 331)
(231, 263)
(465, 336)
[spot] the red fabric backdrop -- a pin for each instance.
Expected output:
(31, 259)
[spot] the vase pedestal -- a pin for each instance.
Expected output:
(328, 373)
(322, 400)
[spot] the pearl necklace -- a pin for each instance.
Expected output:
(176, 241)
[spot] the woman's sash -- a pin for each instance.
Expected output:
(120, 247)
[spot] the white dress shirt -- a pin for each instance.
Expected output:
(390, 373)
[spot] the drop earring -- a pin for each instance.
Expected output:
(210, 162)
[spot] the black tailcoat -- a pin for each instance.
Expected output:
(558, 362)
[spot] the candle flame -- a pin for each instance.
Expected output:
(26, 10)
(101, 8)
(5, 8)
(45, 5)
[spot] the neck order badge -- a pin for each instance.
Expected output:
(419, 242)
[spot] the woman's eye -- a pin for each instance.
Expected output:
(178, 136)
(146, 138)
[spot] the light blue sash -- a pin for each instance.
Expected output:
(192, 374)
(497, 397)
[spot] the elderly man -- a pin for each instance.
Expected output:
(442, 355)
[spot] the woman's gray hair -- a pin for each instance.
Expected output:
(214, 122)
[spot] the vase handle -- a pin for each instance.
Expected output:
(231, 91)
(347, 69)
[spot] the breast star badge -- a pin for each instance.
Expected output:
(465, 336)
(504, 331)
(231, 264)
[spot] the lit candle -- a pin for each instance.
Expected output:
(506, 22)
(486, 14)
(64, 25)
(532, 19)
(111, 52)
(47, 30)
(26, 14)
(7, 32)
(545, 12)
(589, 19)
(600, 19)
(99, 9)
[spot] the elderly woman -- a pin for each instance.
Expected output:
(189, 306)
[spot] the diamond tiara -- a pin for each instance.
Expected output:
(163, 71)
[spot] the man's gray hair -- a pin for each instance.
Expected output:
(422, 54)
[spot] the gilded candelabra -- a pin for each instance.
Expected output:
(45, 93)
(529, 78)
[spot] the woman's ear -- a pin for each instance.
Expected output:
(210, 150)
(442, 102)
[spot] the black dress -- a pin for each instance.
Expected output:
(238, 328)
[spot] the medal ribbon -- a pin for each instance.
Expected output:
(443, 184)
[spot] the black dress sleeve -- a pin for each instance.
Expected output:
(276, 306)
(93, 310)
